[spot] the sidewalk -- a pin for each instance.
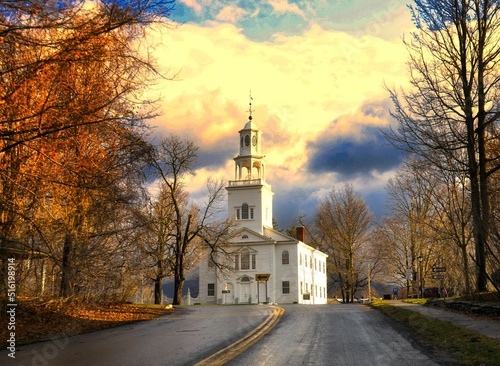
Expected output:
(487, 327)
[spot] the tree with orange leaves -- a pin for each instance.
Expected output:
(71, 131)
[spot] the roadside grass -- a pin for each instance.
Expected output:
(467, 347)
(416, 301)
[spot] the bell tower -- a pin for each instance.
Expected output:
(250, 198)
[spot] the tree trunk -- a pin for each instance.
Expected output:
(66, 268)
(484, 193)
(158, 290)
(465, 257)
(178, 286)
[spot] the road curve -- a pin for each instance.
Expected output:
(347, 334)
(185, 337)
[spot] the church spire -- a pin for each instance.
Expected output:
(250, 106)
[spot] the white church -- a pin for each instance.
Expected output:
(267, 266)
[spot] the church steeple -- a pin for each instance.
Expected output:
(250, 163)
(249, 196)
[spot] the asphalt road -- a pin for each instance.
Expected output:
(347, 334)
(184, 338)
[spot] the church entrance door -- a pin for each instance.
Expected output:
(245, 296)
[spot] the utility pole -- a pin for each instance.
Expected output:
(369, 284)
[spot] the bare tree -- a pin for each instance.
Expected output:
(188, 228)
(451, 112)
(410, 201)
(344, 219)
(452, 224)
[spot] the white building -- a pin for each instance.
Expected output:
(267, 265)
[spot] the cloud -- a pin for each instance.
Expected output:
(193, 4)
(283, 6)
(352, 158)
(353, 144)
(231, 14)
(317, 94)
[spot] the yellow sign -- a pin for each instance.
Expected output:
(262, 277)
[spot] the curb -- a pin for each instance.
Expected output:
(233, 350)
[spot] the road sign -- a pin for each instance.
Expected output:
(409, 274)
(262, 277)
(438, 277)
(226, 291)
(438, 269)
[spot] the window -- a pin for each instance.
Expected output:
(285, 257)
(300, 258)
(301, 285)
(285, 287)
(245, 259)
(305, 260)
(251, 213)
(311, 262)
(237, 214)
(244, 211)
(315, 264)
(211, 289)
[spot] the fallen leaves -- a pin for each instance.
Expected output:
(37, 321)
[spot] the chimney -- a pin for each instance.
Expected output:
(301, 233)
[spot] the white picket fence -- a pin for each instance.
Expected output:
(186, 300)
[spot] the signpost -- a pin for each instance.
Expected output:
(438, 269)
(259, 278)
(439, 276)
(262, 277)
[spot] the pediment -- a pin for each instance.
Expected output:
(248, 236)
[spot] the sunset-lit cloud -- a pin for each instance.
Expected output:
(283, 6)
(318, 90)
(231, 14)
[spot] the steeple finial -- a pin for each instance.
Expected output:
(250, 106)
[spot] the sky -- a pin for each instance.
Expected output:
(316, 71)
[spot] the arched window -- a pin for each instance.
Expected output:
(244, 211)
(285, 257)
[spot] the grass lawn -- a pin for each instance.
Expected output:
(466, 346)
